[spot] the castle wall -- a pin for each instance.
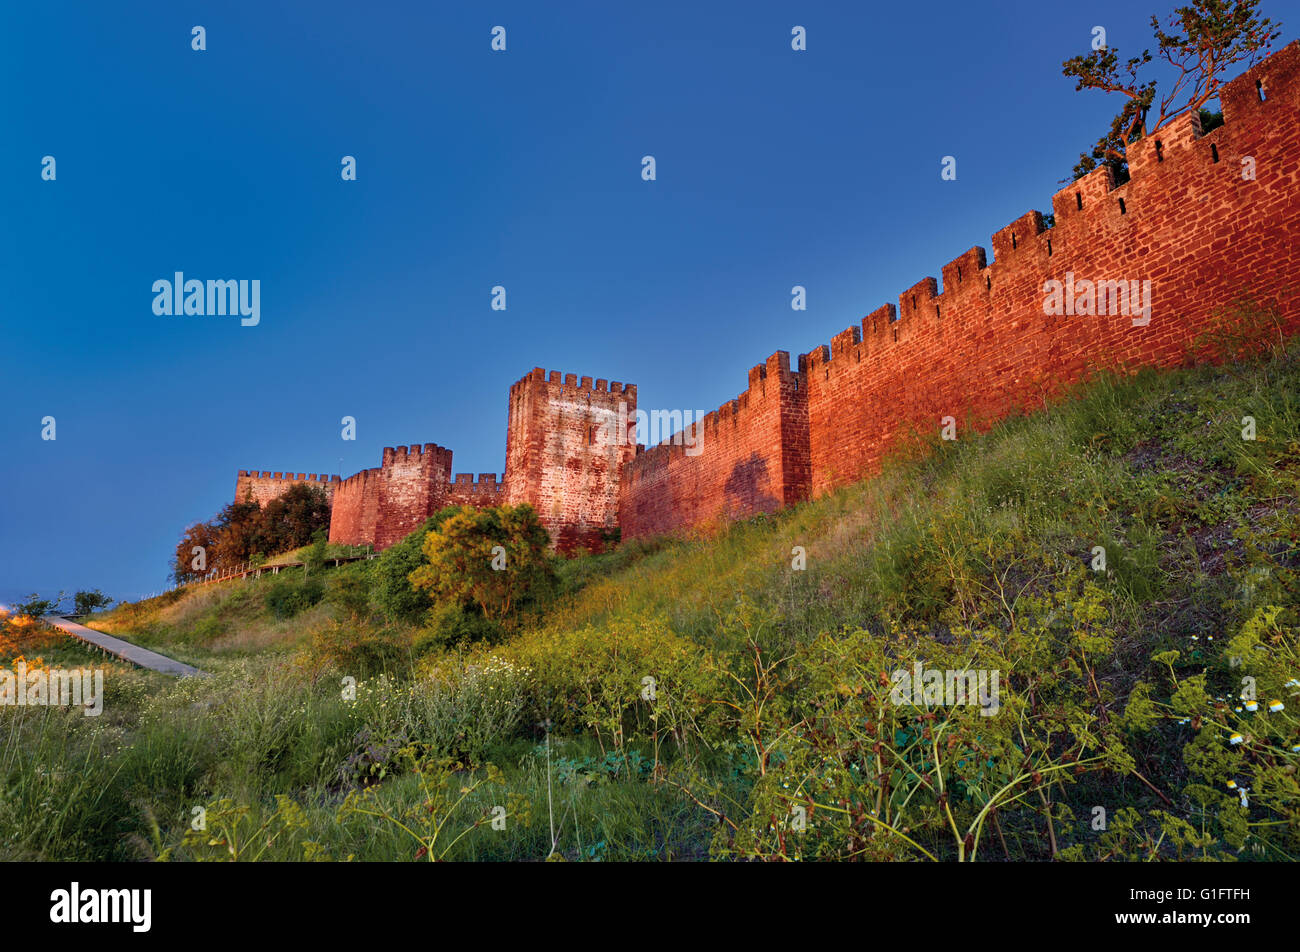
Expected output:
(465, 491)
(354, 518)
(1186, 221)
(412, 488)
(982, 347)
(262, 487)
(977, 348)
(383, 505)
(567, 442)
(749, 456)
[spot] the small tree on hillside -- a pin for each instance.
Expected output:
(234, 535)
(86, 602)
(1205, 40)
(201, 535)
(496, 559)
(393, 592)
(35, 606)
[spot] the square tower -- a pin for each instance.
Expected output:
(567, 442)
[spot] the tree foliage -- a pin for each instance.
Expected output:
(244, 530)
(495, 560)
(1204, 40)
(86, 602)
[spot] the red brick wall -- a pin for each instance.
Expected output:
(567, 442)
(412, 487)
(354, 517)
(1190, 224)
(983, 347)
(753, 458)
(383, 505)
(262, 487)
(487, 491)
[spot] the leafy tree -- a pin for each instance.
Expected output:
(244, 531)
(495, 559)
(291, 520)
(200, 535)
(35, 606)
(86, 602)
(235, 534)
(315, 558)
(1204, 41)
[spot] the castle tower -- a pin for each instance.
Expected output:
(567, 443)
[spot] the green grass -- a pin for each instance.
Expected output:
(978, 553)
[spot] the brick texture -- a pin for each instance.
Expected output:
(753, 457)
(982, 347)
(567, 443)
(262, 487)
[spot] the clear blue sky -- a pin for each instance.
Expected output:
(475, 169)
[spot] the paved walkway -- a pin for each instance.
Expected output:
(125, 650)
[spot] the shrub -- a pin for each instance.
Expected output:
(284, 599)
(360, 649)
(450, 625)
(496, 559)
(393, 592)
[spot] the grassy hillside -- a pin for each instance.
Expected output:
(731, 696)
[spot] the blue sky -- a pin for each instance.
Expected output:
(475, 169)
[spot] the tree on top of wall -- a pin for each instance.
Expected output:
(1205, 39)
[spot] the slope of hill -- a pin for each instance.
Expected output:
(1124, 564)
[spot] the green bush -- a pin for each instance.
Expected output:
(286, 598)
(393, 593)
(451, 625)
(362, 650)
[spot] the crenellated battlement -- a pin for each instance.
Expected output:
(747, 456)
(572, 383)
(1205, 219)
(1188, 224)
(289, 477)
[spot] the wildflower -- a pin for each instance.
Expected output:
(1275, 706)
(1252, 706)
(1235, 739)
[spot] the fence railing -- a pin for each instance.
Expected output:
(352, 553)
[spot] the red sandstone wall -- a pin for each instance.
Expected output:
(567, 443)
(1186, 221)
(983, 347)
(383, 505)
(464, 491)
(753, 458)
(265, 486)
(412, 488)
(355, 514)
